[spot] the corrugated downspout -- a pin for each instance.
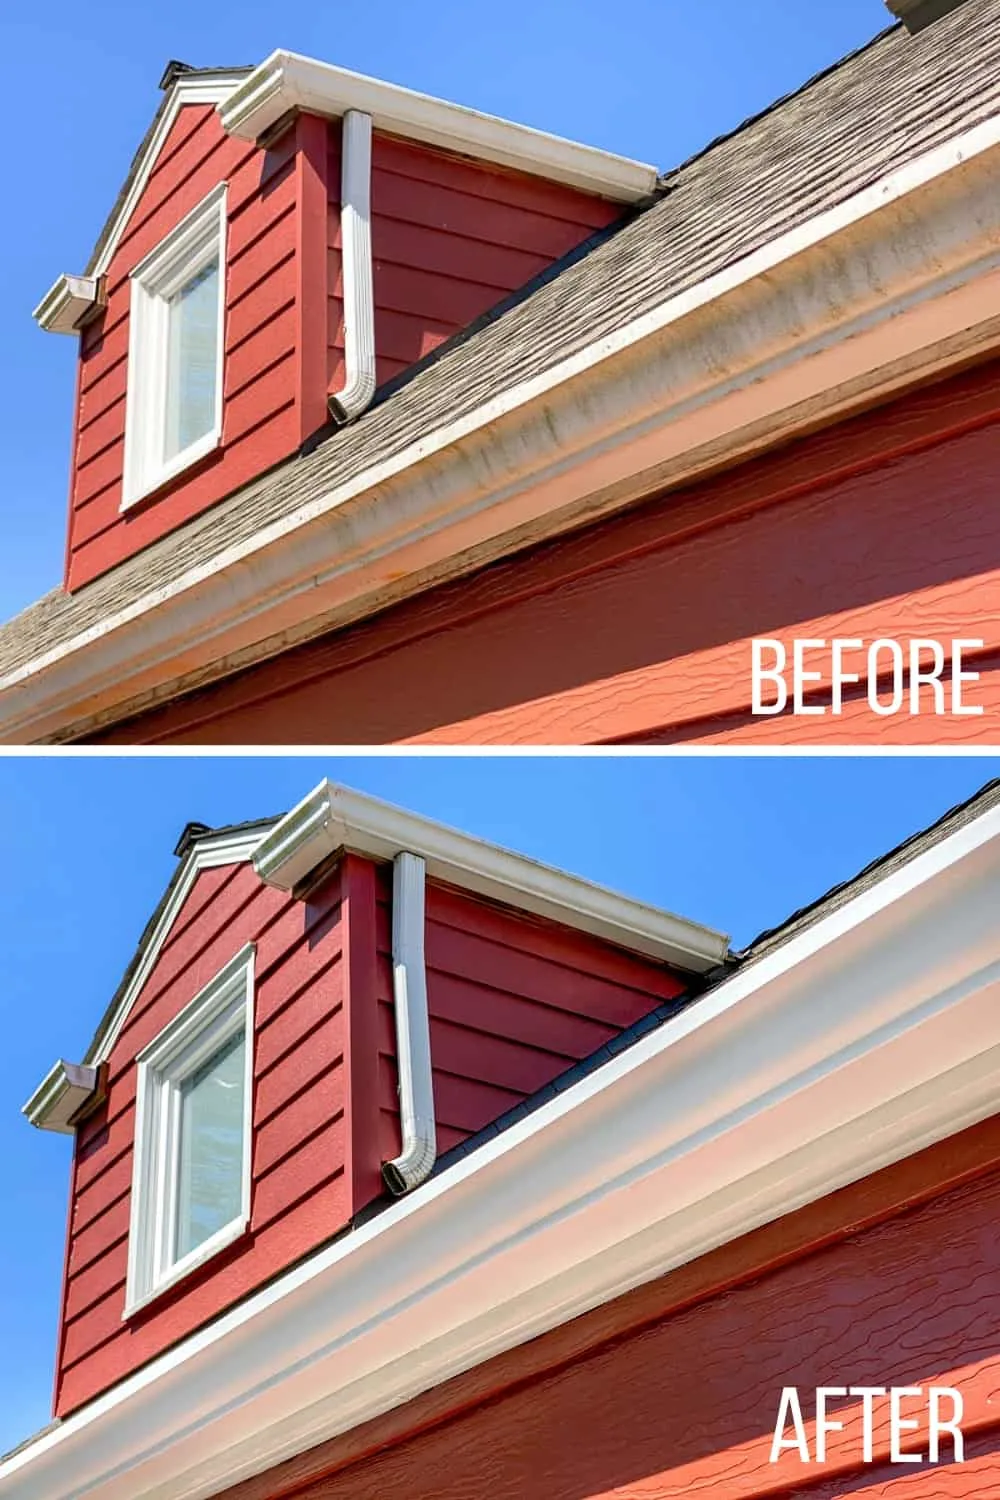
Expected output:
(359, 297)
(413, 1042)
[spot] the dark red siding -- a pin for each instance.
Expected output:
(450, 238)
(674, 1389)
(639, 628)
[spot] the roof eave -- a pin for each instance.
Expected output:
(68, 303)
(64, 1092)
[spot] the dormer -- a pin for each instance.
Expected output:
(324, 1010)
(291, 240)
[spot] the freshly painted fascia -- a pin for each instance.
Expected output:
(66, 303)
(56, 318)
(896, 284)
(865, 1038)
(333, 817)
(63, 1091)
(287, 81)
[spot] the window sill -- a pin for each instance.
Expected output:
(190, 456)
(186, 1267)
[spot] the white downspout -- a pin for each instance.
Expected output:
(356, 252)
(413, 1041)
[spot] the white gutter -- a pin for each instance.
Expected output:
(413, 1041)
(356, 251)
(60, 1096)
(868, 1036)
(66, 303)
(332, 818)
(287, 81)
(896, 284)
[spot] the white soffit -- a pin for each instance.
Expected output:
(288, 81)
(335, 817)
(868, 1036)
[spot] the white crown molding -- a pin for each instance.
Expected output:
(287, 81)
(334, 817)
(896, 284)
(863, 1039)
(72, 296)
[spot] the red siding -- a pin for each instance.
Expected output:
(639, 628)
(514, 1002)
(450, 240)
(301, 1105)
(673, 1390)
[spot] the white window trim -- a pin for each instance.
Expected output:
(217, 1012)
(198, 238)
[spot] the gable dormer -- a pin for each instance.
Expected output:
(289, 241)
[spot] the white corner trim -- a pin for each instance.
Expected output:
(413, 1037)
(62, 1093)
(287, 81)
(334, 817)
(222, 1007)
(55, 315)
(356, 254)
(865, 1038)
(69, 300)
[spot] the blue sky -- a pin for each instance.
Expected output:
(654, 79)
(737, 843)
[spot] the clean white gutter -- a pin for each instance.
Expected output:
(865, 1038)
(67, 303)
(287, 81)
(332, 818)
(60, 1096)
(898, 283)
(413, 1037)
(356, 260)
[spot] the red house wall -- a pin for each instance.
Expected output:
(674, 1389)
(450, 239)
(514, 1002)
(639, 628)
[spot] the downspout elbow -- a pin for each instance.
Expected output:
(359, 296)
(413, 1044)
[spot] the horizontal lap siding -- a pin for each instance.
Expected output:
(514, 1002)
(639, 628)
(450, 239)
(684, 1401)
(300, 1197)
(262, 421)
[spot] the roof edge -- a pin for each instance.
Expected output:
(59, 1098)
(334, 817)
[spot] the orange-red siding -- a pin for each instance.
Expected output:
(450, 240)
(673, 1390)
(639, 628)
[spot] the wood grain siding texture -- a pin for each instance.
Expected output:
(514, 1002)
(450, 239)
(638, 629)
(673, 1389)
(300, 1195)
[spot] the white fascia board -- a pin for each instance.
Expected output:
(72, 296)
(66, 303)
(865, 1038)
(896, 284)
(62, 1093)
(287, 81)
(334, 817)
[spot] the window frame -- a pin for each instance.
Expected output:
(186, 250)
(222, 1009)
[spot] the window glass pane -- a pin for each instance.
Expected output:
(191, 360)
(210, 1148)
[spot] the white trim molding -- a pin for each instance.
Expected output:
(65, 1090)
(287, 81)
(864, 1038)
(190, 249)
(332, 818)
(68, 303)
(356, 260)
(897, 284)
(220, 1013)
(418, 1128)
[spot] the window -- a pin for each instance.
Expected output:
(191, 1177)
(174, 399)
